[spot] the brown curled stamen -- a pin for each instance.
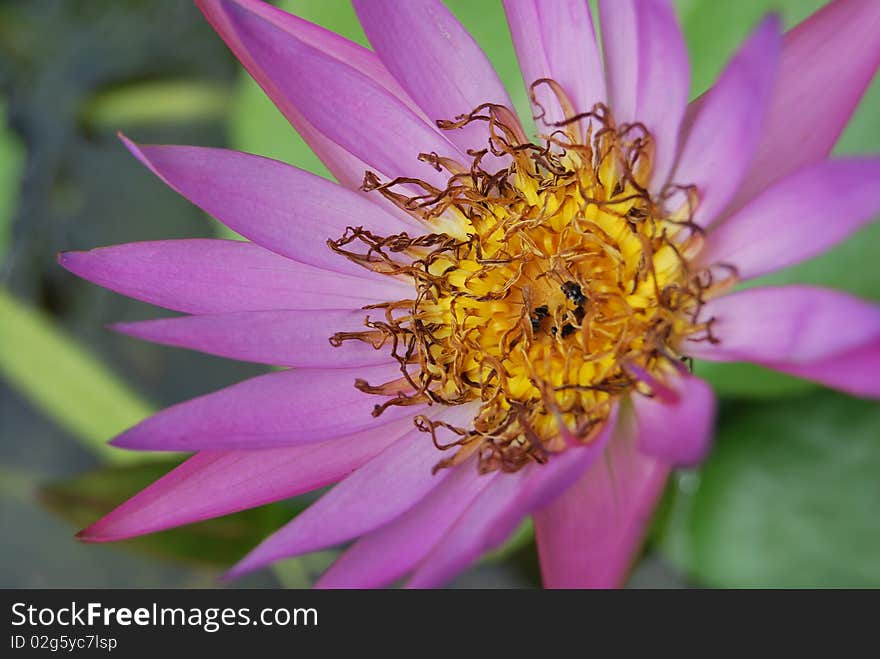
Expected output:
(565, 282)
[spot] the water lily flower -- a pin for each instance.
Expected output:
(479, 326)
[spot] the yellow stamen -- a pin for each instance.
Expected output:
(563, 286)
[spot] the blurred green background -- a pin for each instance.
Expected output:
(788, 498)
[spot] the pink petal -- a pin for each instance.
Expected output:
(798, 217)
(286, 408)
(827, 63)
(854, 372)
(335, 96)
(786, 324)
(620, 45)
(380, 491)
(390, 552)
(557, 40)
(648, 72)
(476, 531)
(723, 138)
(499, 509)
(282, 208)
(664, 81)
(217, 276)
(215, 483)
(588, 536)
(677, 432)
(282, 338)
(435, 60)
(348, 169)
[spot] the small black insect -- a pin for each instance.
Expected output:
(573, 292)
(539, 314)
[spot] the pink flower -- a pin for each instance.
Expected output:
(531, 307)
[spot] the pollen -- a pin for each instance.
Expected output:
(543, 293)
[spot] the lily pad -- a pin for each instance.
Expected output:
(216, 542)
(787, 499)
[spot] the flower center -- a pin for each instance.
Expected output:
(543, 292)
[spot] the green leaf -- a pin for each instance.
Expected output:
(742, 380)
(303, 571)
(217, 542)
(851, 266)
(64, 381)
(522, 537)
(11, 167)
(787, 499)
(155, 102)
(714, 30)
